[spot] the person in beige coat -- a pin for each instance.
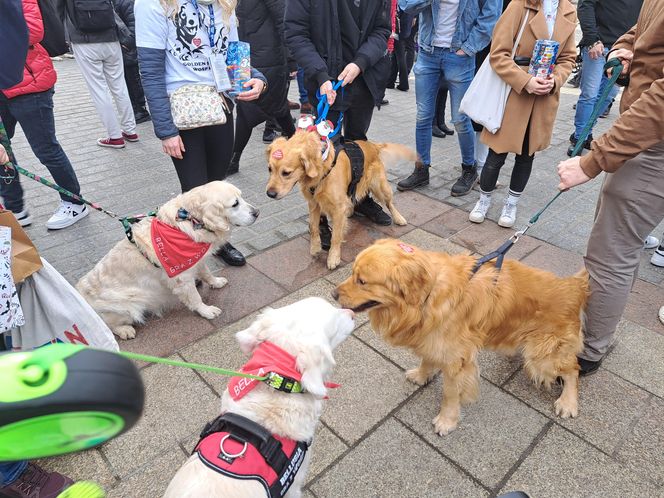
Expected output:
(533, 102)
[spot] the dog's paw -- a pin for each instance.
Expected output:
(416, 376)
(315, 248)
(400, 220)
(566, 409)
(208, 312)
(218, 282)
(333, 259)
(125, 332)
(443, 426)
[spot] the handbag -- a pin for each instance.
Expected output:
(195, 106)
(25, 258)
(486, 97)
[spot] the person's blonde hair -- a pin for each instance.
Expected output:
(227, 8)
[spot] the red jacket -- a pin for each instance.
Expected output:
(38, 74)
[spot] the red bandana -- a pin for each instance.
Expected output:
(267, 357)
(175, 250)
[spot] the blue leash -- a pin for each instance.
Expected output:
(499, 254)
(324, 107)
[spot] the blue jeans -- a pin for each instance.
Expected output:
(593, 82)
(304, 96)
(9, 472)
(458, 71)
(34, 112)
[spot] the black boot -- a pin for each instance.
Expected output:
(141, 115)
(234, 166)
(573, 141)
(269, 136)
(466, 181)
(418, 178)
(587, 367)
(230, 255)
(325, 234)
(445, 129)
(437, 132)
(372, 210)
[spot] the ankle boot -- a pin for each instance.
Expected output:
(466, 181)
(418, 178)
(234, 166)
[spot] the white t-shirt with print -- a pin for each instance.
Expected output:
(184, 37)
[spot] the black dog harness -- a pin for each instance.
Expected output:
(239, 448)
(356, 158)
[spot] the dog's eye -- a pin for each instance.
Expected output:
(360, 281)
(236, 203)
(286, 173)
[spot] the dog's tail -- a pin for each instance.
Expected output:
(392, 154)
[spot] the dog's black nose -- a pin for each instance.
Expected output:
(271, 194)
(255, 213)
(335, 294)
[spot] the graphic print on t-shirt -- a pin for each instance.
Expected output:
(192, 43)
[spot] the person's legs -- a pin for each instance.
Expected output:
(244, 126)
(459, 72)
(630, 206)
(218, 149)
(302, 89)
(357, 117)
(286, 123)
(192, 168)
(88, 58)
(591, 80)
(132, 78)
(114, 74)
(402, 65)
(12, 193)
(9, 472)
(488, 180)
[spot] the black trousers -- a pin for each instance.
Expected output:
(441, 103)
(207, 154)
(523, 165)
(134, 86)
(250, 115)
(358, 114)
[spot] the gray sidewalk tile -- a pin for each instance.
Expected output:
(370, 388)
(608, 406)
(497, 367)
(492, 433)
(394, 462)
(431, 242)
(177, 403)
(325, 449)
(638, 356)
(561, 466)
(642, 450)
(401, 356)
(644, 303)
(152, 479)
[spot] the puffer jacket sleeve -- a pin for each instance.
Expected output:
(14, 46)
(375, 46)
(34, 20)
(152, 62)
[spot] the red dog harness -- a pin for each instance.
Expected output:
(242, 449)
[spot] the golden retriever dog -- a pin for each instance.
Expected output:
(129, 282)
(434, 305)
(324, 184)
(308, 330)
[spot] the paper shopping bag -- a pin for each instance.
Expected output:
(25, 258)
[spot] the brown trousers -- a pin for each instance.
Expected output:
(630, 206)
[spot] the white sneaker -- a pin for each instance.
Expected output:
(657, 258)
(508, 216)
(661, 314)
(478, 213)
(24, 219)
(650, 242)
(66, 215)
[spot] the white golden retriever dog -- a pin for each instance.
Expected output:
(309, 330)
(129, 282)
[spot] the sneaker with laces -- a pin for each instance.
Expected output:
(66, 215)
(508, 216)
(113, 143)
(478, 214)
(36, 482)
(657, 258)
(24, 219)
(651, 242)
(130, 137)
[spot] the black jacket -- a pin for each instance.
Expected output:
(14, 46)
(126, 30)
(64, 7)
(607, 20)
(313, 35)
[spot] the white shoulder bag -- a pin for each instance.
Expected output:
(486, 97)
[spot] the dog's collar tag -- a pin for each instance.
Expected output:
(183, 215)
(324, 129)
(305, 121)
(406, 248)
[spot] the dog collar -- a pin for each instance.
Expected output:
(183, 215)
(283, 383)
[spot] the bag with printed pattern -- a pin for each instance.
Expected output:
(195, 106)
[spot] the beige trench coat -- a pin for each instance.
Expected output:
(523, 107)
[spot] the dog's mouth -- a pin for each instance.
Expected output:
(365, 306)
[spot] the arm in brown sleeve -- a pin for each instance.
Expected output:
(637, 129)
(502, 44)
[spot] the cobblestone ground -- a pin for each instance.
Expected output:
(375, 439)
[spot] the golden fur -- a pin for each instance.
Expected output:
(124, 287)
(428, 302)
(302, 163)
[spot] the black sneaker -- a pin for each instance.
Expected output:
(605, 114)
(418, 178)
(372, 210)
(445, 129)
(437, 132)
(269, 136)
(573, 141)
(587, 367)
(142, 116)
(466, 181)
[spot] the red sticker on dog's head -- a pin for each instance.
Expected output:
(278, 154)
(406, 248)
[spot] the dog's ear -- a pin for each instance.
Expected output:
(248, 339)
(412, 279)
(315, 363)
(311, 157)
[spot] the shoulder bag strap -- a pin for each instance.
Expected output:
(518, 37)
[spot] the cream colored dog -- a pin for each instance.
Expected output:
(309, 330)
(125, 285)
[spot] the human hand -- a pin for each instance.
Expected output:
(4, 157)
(328, 90)
(571, 174)
(539, 86)
(350, 72)
(461, 53)
(625, 56)
(292, 74)
(173, 146)
(256, 88)
(596, 51)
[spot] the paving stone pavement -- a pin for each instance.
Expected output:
(375, 438)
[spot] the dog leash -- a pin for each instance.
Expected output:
(324, 107)
(499, 254)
